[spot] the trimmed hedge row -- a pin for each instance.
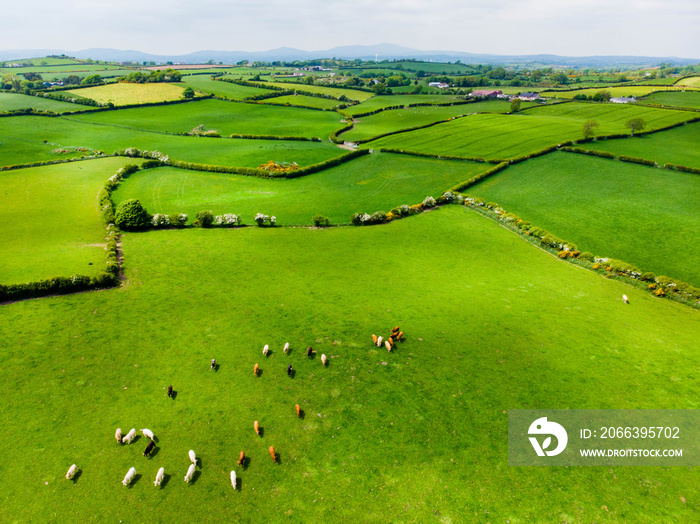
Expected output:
(29, 111)
(51, 162)
(478, 178)
(278, 137)
(592, 152)
(632, 159)
(435, 156)
(56, 286)
(405, 130)
(334, 135)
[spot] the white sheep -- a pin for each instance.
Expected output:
(190, 473)
(193, 457)
(233, 479)
(286, 348)
(159, 477)
(148, 433)
(71, 472)
(266, 349)
(625, 299)
(379, 342)
(323, 359)
(129, 476)
(129, 436)
(118, 435)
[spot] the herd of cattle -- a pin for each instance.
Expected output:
(129, 437)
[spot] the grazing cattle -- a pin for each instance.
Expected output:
(255, 370)
(190, 473)
(296, 406)
(170, 391)
(374, 338)
(379, 342)
(256, 426)
(233, 479)
(129, 476)
(390, 340)
(118, 435)
(148, 433)
(129, 436)
(266, 350)
(149, 448)
(400, 336)
(213, 363)
(71, 472)
(387, 345)
(324, 360)
(286, 348)
(395, 330)
(159, 477)
(273, 454)
(625, 299)
(193, 457)
(241, 458)
(289, 370)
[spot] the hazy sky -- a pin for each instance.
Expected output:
(564, 27)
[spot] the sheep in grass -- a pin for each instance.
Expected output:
(324, 360)
(190, 473)
(148, 433)
(256, 427)
(374, 338)
(71, 472)
(298, 409)
(118, 435)
(255, 370)
(241, 458)
(159, 477)
(193, 457)
(625, 299)
(129, 476)
(273, 454)
(266, 349)
(379, 342)
(286, 348)
(233, 479)
(129, 436)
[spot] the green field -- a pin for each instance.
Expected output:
(368, 184)
(380, 102)
(225, 117)
(674, 98)
(304, 101)
(223, 89)
(680, 145)
(352, 94)
(506, 136)
(11, 101)
(26, 136)
(642, 215)
(423, 435)
(616, 91)
(52, 227)
(693, 81)
(124, 94)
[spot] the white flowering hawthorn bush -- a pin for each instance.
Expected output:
(228, 219)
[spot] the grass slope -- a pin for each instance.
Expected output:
(337, 92)
(642, 215)
(674, 98)
(31, 139)
(303, 101)
(49, 221)
(123, 94)
(423, 436)
(367, 184)
(616, 91)
(10, 101)
(223, 89)
(225, 117)
(380, 102)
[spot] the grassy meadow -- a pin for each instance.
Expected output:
(418, 435)
(121, 94)
(303, 101)
(673, 98)
(12, 101)
(52, 227)
(692, 81)
(205, 84)
(615, 91)
(380, 102)
(336, 92)
(371, 183)
(639, 214)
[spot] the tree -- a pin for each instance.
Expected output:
(515, 105)
(131, 215)
(602, 96)
(91, 79)
(379, 88)
(635, 124)
(589, 127)
(188, 92)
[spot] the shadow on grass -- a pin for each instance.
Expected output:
(245, 463)
(166, 479)
(136, 478)
(260, 372)
(76, 475)
(174, 395)
(153, 452)
(261, 431)
(302, 414)
(195, 476)
(292, 373)
(239, 484)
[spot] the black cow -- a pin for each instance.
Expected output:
(289, 370)
(170, 391)
(213, 363)
(309, 351)
(149, 448)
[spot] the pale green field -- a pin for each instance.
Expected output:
(618, 91)
(303, 101)
(693, 81)
(124, 94)
(336, 92)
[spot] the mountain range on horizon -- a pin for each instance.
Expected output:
(364, 52)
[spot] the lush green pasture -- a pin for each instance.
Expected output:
(642, 215)
(123, 94)
(49, 221)
(693, 81)
(674, 98)
(33, 138)
(419, 435)
(303, 101)
(368, 184)
(11, 101)
(223, 89)
(43, 61)
(392, 120)
(615, 91)
(680, 145)
(352, 94)
(225, 117)
(380, 102)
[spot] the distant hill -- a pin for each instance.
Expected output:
(364, 52)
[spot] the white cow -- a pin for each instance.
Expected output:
(286, 348)
(266, 349)
(129, 476)
(129, 436)
(388, 346)
(159, 477)
(193, 457)
(118, 435)
(148, 433)
(190, 473)
(233, 479)
(323, 359)
(71, 472)
(625, 299)
(379, 342)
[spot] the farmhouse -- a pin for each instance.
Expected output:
(486, 93)
(529, 97)
(623, 100)
(439, 85)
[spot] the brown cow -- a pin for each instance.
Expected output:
(241, 459)
(400, 336)
(374, 338)
(309, 351)
(296, 406)
(395, 330)
(255, 370)
(257, 427)
(273, 454)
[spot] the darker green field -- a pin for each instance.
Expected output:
(674, 98)
(205, 84)
(12, 101)
(423, 435)
(642, 215)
